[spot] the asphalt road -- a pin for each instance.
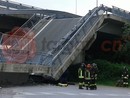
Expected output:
(72, 91)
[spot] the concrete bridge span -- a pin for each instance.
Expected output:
(71, 36)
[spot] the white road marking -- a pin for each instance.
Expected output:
(67, 93)
(46, 93)
(90, 94)
(27, 93)
(114, 95)
(37, 93)
(17, 96)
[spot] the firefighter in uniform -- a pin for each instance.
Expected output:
(87, 76)
(81, 75)
(125, 77)
(93, 71)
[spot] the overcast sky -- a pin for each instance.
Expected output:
(70, 5)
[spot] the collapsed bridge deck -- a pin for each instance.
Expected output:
(60, 41)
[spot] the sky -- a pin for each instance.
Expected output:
(83, 6)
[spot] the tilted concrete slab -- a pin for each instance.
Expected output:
(56, 30)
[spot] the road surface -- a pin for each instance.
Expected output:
(72, 91)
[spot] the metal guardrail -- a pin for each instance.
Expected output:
(44, 59)
(30, 23)
(75, 39)
(58, 70)
(15, 8)
(65, 39)
(37, 29)
(120, 12)
(10, 4)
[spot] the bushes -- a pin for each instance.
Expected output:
(108, 74)
(108, 71)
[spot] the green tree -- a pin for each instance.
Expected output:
(124, 54)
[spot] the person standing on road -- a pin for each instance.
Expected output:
(87, 76)
(94, 72)
(125, 76)
(81, 75)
